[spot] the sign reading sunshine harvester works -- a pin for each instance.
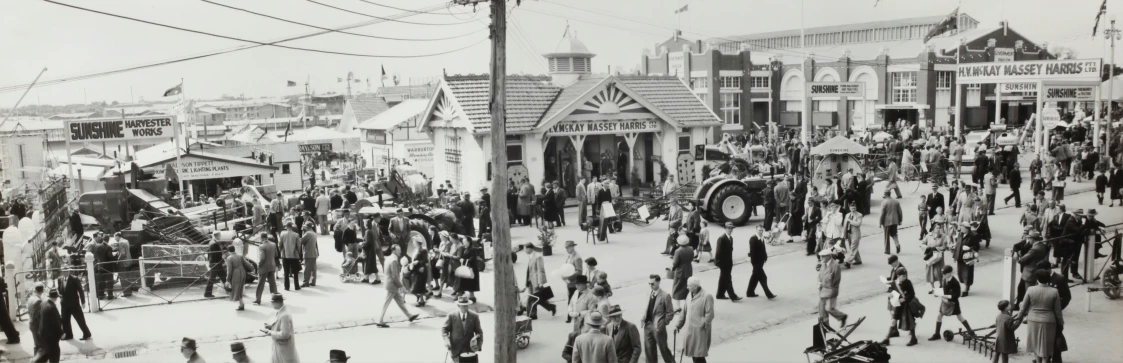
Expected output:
(120, 129)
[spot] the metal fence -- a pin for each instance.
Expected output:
(24, 286)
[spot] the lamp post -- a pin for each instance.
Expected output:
(1112, 34)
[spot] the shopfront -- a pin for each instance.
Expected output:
(208, 173)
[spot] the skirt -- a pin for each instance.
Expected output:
(904, 317)
(934, 272)
(1040, 338)
(678, 289)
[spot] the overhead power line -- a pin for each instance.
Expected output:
(273, 44)
(379, 17)
(12, 88)
(342, 32)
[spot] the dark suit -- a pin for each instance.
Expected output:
(103, 257)
(723, 259)
(603, 196)
(458, 333)
(657, 315)
(72, 298)
(216, 271)
(757, 256)
(267, 260)
(625, 336)
(50, 332)
(935, 201)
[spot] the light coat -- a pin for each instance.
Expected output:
(267, 258)
(535, 273)
(594, 347)
(309, 244)
(284, 337)
(830, 276)
(290, 244)
(699, 320)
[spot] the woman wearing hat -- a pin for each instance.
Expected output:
(419, 270)
(471, 255)
(966, 245)
(682, 268)
(236, 269)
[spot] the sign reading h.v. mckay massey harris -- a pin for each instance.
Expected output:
(120, 129)
(1047, 70)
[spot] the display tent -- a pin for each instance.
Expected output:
(840, 145)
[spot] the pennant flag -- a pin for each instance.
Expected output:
(1103, 9)
(170, 174)
(383, 71)
(683, 9)
(288, 131)
(174, 90)
(876, 2)
(292, 84)
(948, 24)
(338, 79)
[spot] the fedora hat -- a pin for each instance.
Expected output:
(570, 243)
(580, 279)
(463, 300)
(615, 311)
(1078, 212)
(595, 319)
(730, 225)
(278, 298)
(336, 354)
(188, 343)
(1092, 212)
(237, 347)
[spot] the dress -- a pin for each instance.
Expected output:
(1042, 309)
(236, 268)
(934, 270)
(683, 270)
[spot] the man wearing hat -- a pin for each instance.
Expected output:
(723, 259)
(49, 329)
(539, 294)
(581, 302)
(280, 328)
(830, 277)
(1037, 251)
(34, 311)
(572, 258)
(71, 305)
(290, 256)
(594, 346)
(462, 333)
(238, 352)
(337, 356)
(394, 287)
(467, 214)
(189, 350)
(625, 336)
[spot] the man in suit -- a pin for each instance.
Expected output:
(399, 229)
(34, 313)
(890, 218)
(72, 300)
(783, 197)
(625, 336)
(572, 258)
(467, 214)
(268, 257)
(536, 283)
(582, 196)
(103, 259)
(323, 208)
(290, 256)
(1037, 252)
(594, 346)
(935, 201)
(656, 317)
(394, 287)
(560, 196)
(50, 330)
(311, 250)
(758, 256)
(216, 270)
(723, 259)
(462, 333)
(830, 277)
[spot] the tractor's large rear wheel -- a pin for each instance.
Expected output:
(731, 204)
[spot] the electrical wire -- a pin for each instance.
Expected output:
(526, 46)
(341, 32)
(379, 17)
(407, 10)
(56, 81)
(273, 44)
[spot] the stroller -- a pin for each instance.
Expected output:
(779, 231)
(523, 325)
(350, 269)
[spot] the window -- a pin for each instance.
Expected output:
(731, 82)
(731, 107)
(285, 169)
(699, 83)
(904, 87)
(943, 80)
(761, 82)
(514, 154)
(684, 140)
(824, 106)
(380, 137)
(974, 95)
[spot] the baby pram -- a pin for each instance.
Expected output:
(523, 326)
(779, 232)
(350, 269)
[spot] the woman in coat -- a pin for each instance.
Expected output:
(1041, 309)
(471, 255)
(372, 251)
(236, 269)
(526, 200)
(903, 316)
(682, 268)
(419, 270)
(698, 321)
(549, 206)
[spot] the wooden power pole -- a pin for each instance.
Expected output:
(506, 288)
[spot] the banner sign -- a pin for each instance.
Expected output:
(1018, 87)
(602, 127)
(314, 148)
(1068, 93)
(1056, 69)
(1003, 54)
(836, 89)
(194, 168)
(120, 130)
(676, 65)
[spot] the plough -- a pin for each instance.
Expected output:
(985, 344)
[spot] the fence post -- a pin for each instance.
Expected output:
(13, 295)
(143, 279)
(91, 281)
(1009, 275)
(1089, 257)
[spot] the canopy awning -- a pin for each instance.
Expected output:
(839, 145)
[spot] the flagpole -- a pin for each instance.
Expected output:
(178, 154)
(805, 121)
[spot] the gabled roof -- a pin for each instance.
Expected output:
(572, 93)
(395, 115)
(366, 106)
(528, 97)
(670, 96)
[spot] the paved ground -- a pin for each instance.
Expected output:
(321, 312)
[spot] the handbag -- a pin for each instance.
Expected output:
(464, 272)
(440, 263)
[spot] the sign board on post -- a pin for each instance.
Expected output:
(1048, 70)
(1068, 93)
(314, 148)
(1019, 87)
(1050, 117)
(133, 128)
(836, 89)
(1003, 54)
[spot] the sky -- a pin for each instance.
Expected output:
(72, 42)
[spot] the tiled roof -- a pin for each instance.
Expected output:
(669, 95)
(528, 97)
(366, 106)
(572, 93)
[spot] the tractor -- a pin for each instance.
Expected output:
(732, 189)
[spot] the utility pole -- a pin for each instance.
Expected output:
(1112, 34)
(506, 288)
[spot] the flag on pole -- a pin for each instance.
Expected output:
(338, 79)
(1103, 9)
(292, 84)
(683, 9)
(948, 24)
(876, 2)
(288, 131)
(384, 77)
(174, 90)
